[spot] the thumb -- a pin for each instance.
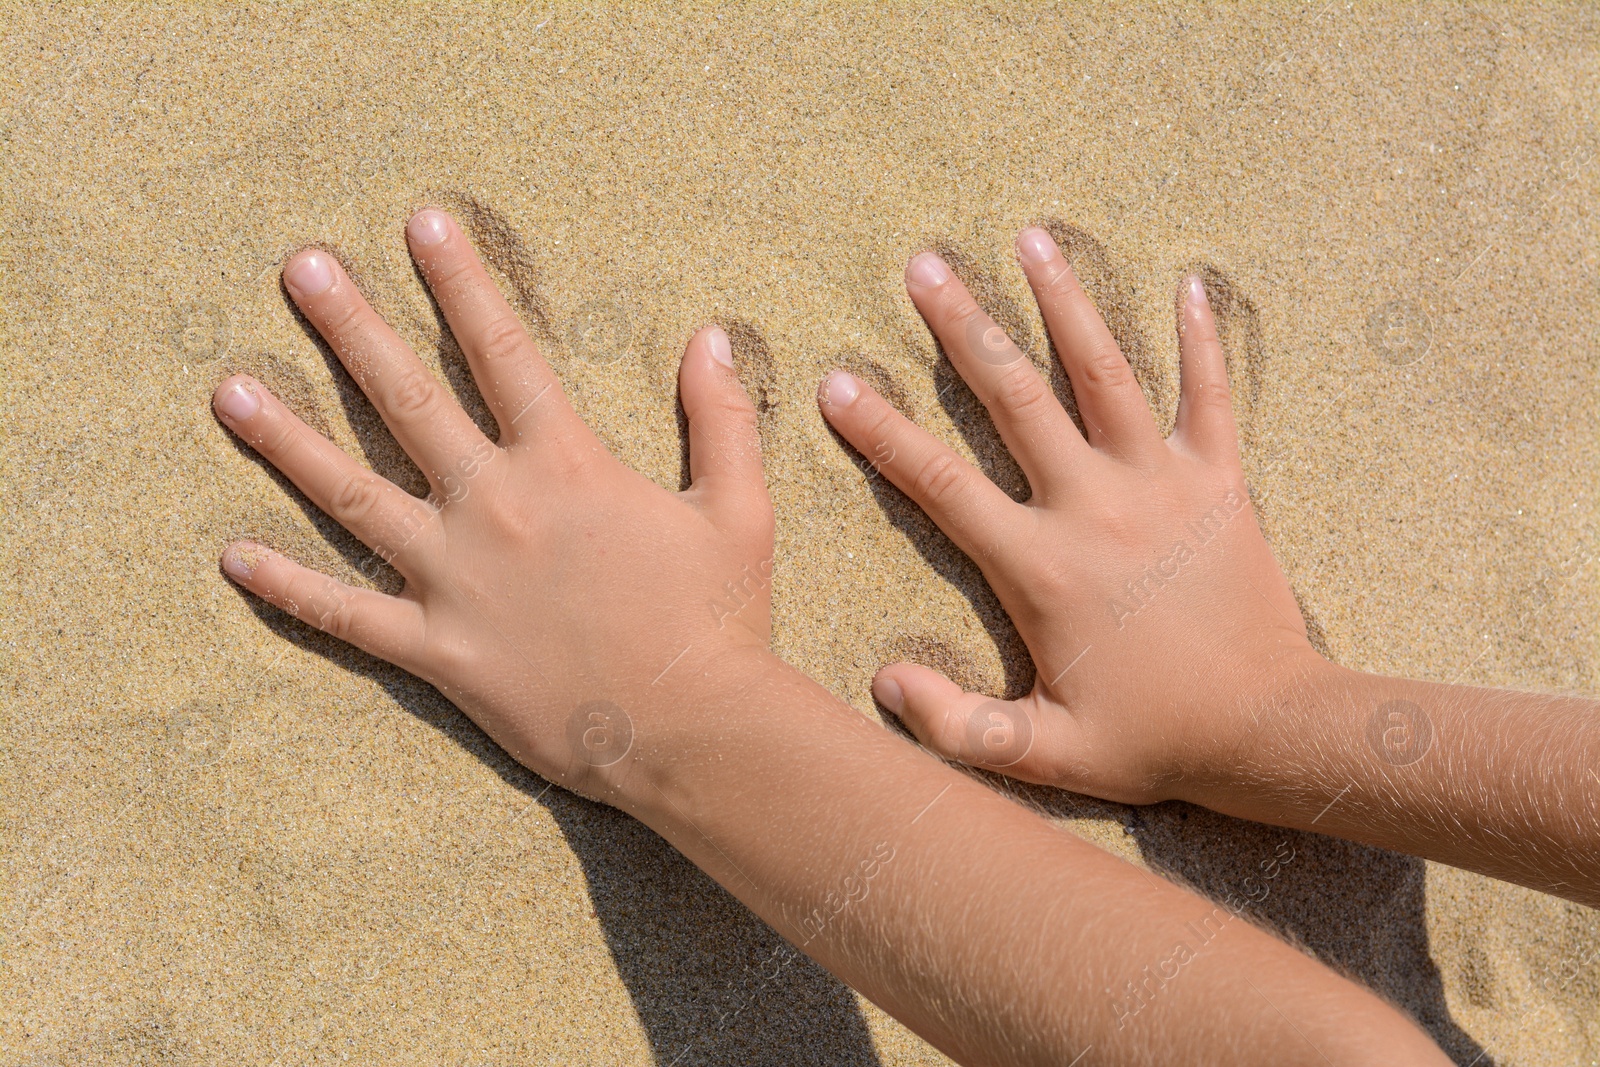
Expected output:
(998, 735)
(724, 439)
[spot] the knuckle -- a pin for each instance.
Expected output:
(415, 525)
(965, 316)
(570, 465)
(413, 392)
(342, 317)
(938, 480)
(509, 518)
(944, 733)
(1104, 367)
(319, 601)
(759, 522)
(502, 339)
(984, 339)
(1054, 583)
(335, 615)
(1214, 397)
(451, 658)
(1045, 763)
(1121, 526)
(278, 438)
(737, 414)
(1057, 279)
(878, 434)
(1020, 390)
(356, 498)
(451, 270)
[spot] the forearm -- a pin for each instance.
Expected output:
(1489, 780)
(997, 936)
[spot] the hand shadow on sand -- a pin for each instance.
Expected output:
(712, 984)
(1360, 910)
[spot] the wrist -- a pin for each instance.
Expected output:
(1272, 707)
(682, 726)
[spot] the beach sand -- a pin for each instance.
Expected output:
(227, 839)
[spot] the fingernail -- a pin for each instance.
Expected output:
(838, 389)
(428, 227)
(719, 346)
(1035, 246)
(310, 274)
(1196, 292)
(927, 270)
(237, 564)
(889, 693)
(239, 401)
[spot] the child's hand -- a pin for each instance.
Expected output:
(613, 637)
(1155, 613)
(560, 599)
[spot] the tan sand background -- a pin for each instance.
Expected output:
(227, 839)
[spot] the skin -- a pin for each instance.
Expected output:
(612, 636)
(1172, 658)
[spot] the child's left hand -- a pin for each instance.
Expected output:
(560, 599)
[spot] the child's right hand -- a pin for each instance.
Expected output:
(1154, 610)
(1172, 659)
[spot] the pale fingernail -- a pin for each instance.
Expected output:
(239, 401)
(428, 227)
(1196, 294)
(927, 270)
(719, 346)
(889, 693)
(1035, 246)
(838, 389)
(311, 274)
(237, 564)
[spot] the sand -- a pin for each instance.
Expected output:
(227, 839)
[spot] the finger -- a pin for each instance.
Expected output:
(1010, 736)
(1205, 402)
(1032, 423)
(386, 518)
(426, 420)
(517, 384)
(968, 507)
(1112, 405)
(388, 627)
(724, 439)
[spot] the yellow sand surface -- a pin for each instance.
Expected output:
(228, 839)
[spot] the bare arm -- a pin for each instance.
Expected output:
(1486, 779)
(997, 936)
(612, 636)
